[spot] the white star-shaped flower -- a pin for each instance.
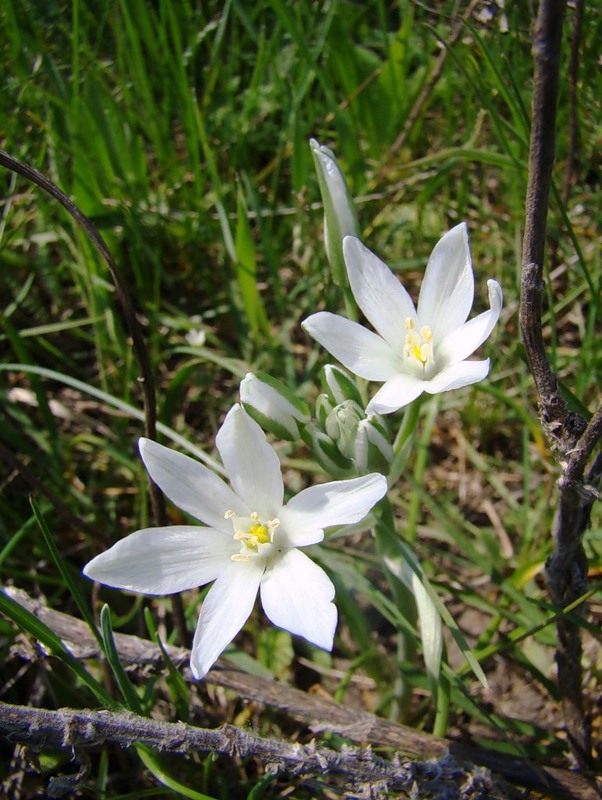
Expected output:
(414, 350)
(251, 543)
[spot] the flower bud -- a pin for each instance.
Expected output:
(324, 407)
(329, 456)
(340, 385)
(340, 219)
(372, 450)
(341, 425)
(273, 405)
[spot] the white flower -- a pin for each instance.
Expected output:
(250, 545)
(415, 350)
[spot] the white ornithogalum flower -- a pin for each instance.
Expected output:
(414, 350)
(251, 543)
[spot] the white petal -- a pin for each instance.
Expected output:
(447, 291)
(334, 503)
(225, 610)
(378, 292)
(296, 595)
(363, 352)
(190, 485)
(458, 375)
(164, 560)
(398, 391)
(463, 341)
(251, 463)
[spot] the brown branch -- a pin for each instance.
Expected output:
(572, 440)
(129, 313)
(80, 730)
(562, 428)
(320, 714)
(134, 329)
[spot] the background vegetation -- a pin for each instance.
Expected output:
(181, 130)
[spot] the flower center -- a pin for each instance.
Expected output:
(254, 535)
(418, 346)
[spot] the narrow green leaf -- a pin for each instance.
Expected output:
(151, 761)
(125, 685)
(66, 573)
(40, 631)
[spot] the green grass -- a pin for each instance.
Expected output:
(181, 130)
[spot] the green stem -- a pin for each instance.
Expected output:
(442, 695)
(420, 463)
(404, 439)
(386, 545)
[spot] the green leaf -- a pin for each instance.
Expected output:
(123, 682)
(66, 573)
(40, 631)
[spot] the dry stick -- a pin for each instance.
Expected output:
(569, 436)
(133, 326)
(77, 730)
(320, 714)
(129, 313)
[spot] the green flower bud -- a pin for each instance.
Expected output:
(342, 423)
(340, 219)
(324, 407)
(329, 455)
(340, 385)
(273, 405)
(372, 450)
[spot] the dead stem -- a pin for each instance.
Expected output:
(571, 439)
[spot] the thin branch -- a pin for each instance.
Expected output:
(134, 329)
(320, 714)
(129, 313)
(80, 730)
(582, 451)
(561, 427)
(567, 432)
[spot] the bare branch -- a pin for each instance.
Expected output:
(80, 730)
(569, 436)
(320, 714)
(129, 313)
(561, 427)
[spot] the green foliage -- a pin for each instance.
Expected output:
(181, 129)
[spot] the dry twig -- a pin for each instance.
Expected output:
(572, 440)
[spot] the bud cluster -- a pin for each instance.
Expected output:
(346, 439)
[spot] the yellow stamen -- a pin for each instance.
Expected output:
(418, 345)
(253, 534)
